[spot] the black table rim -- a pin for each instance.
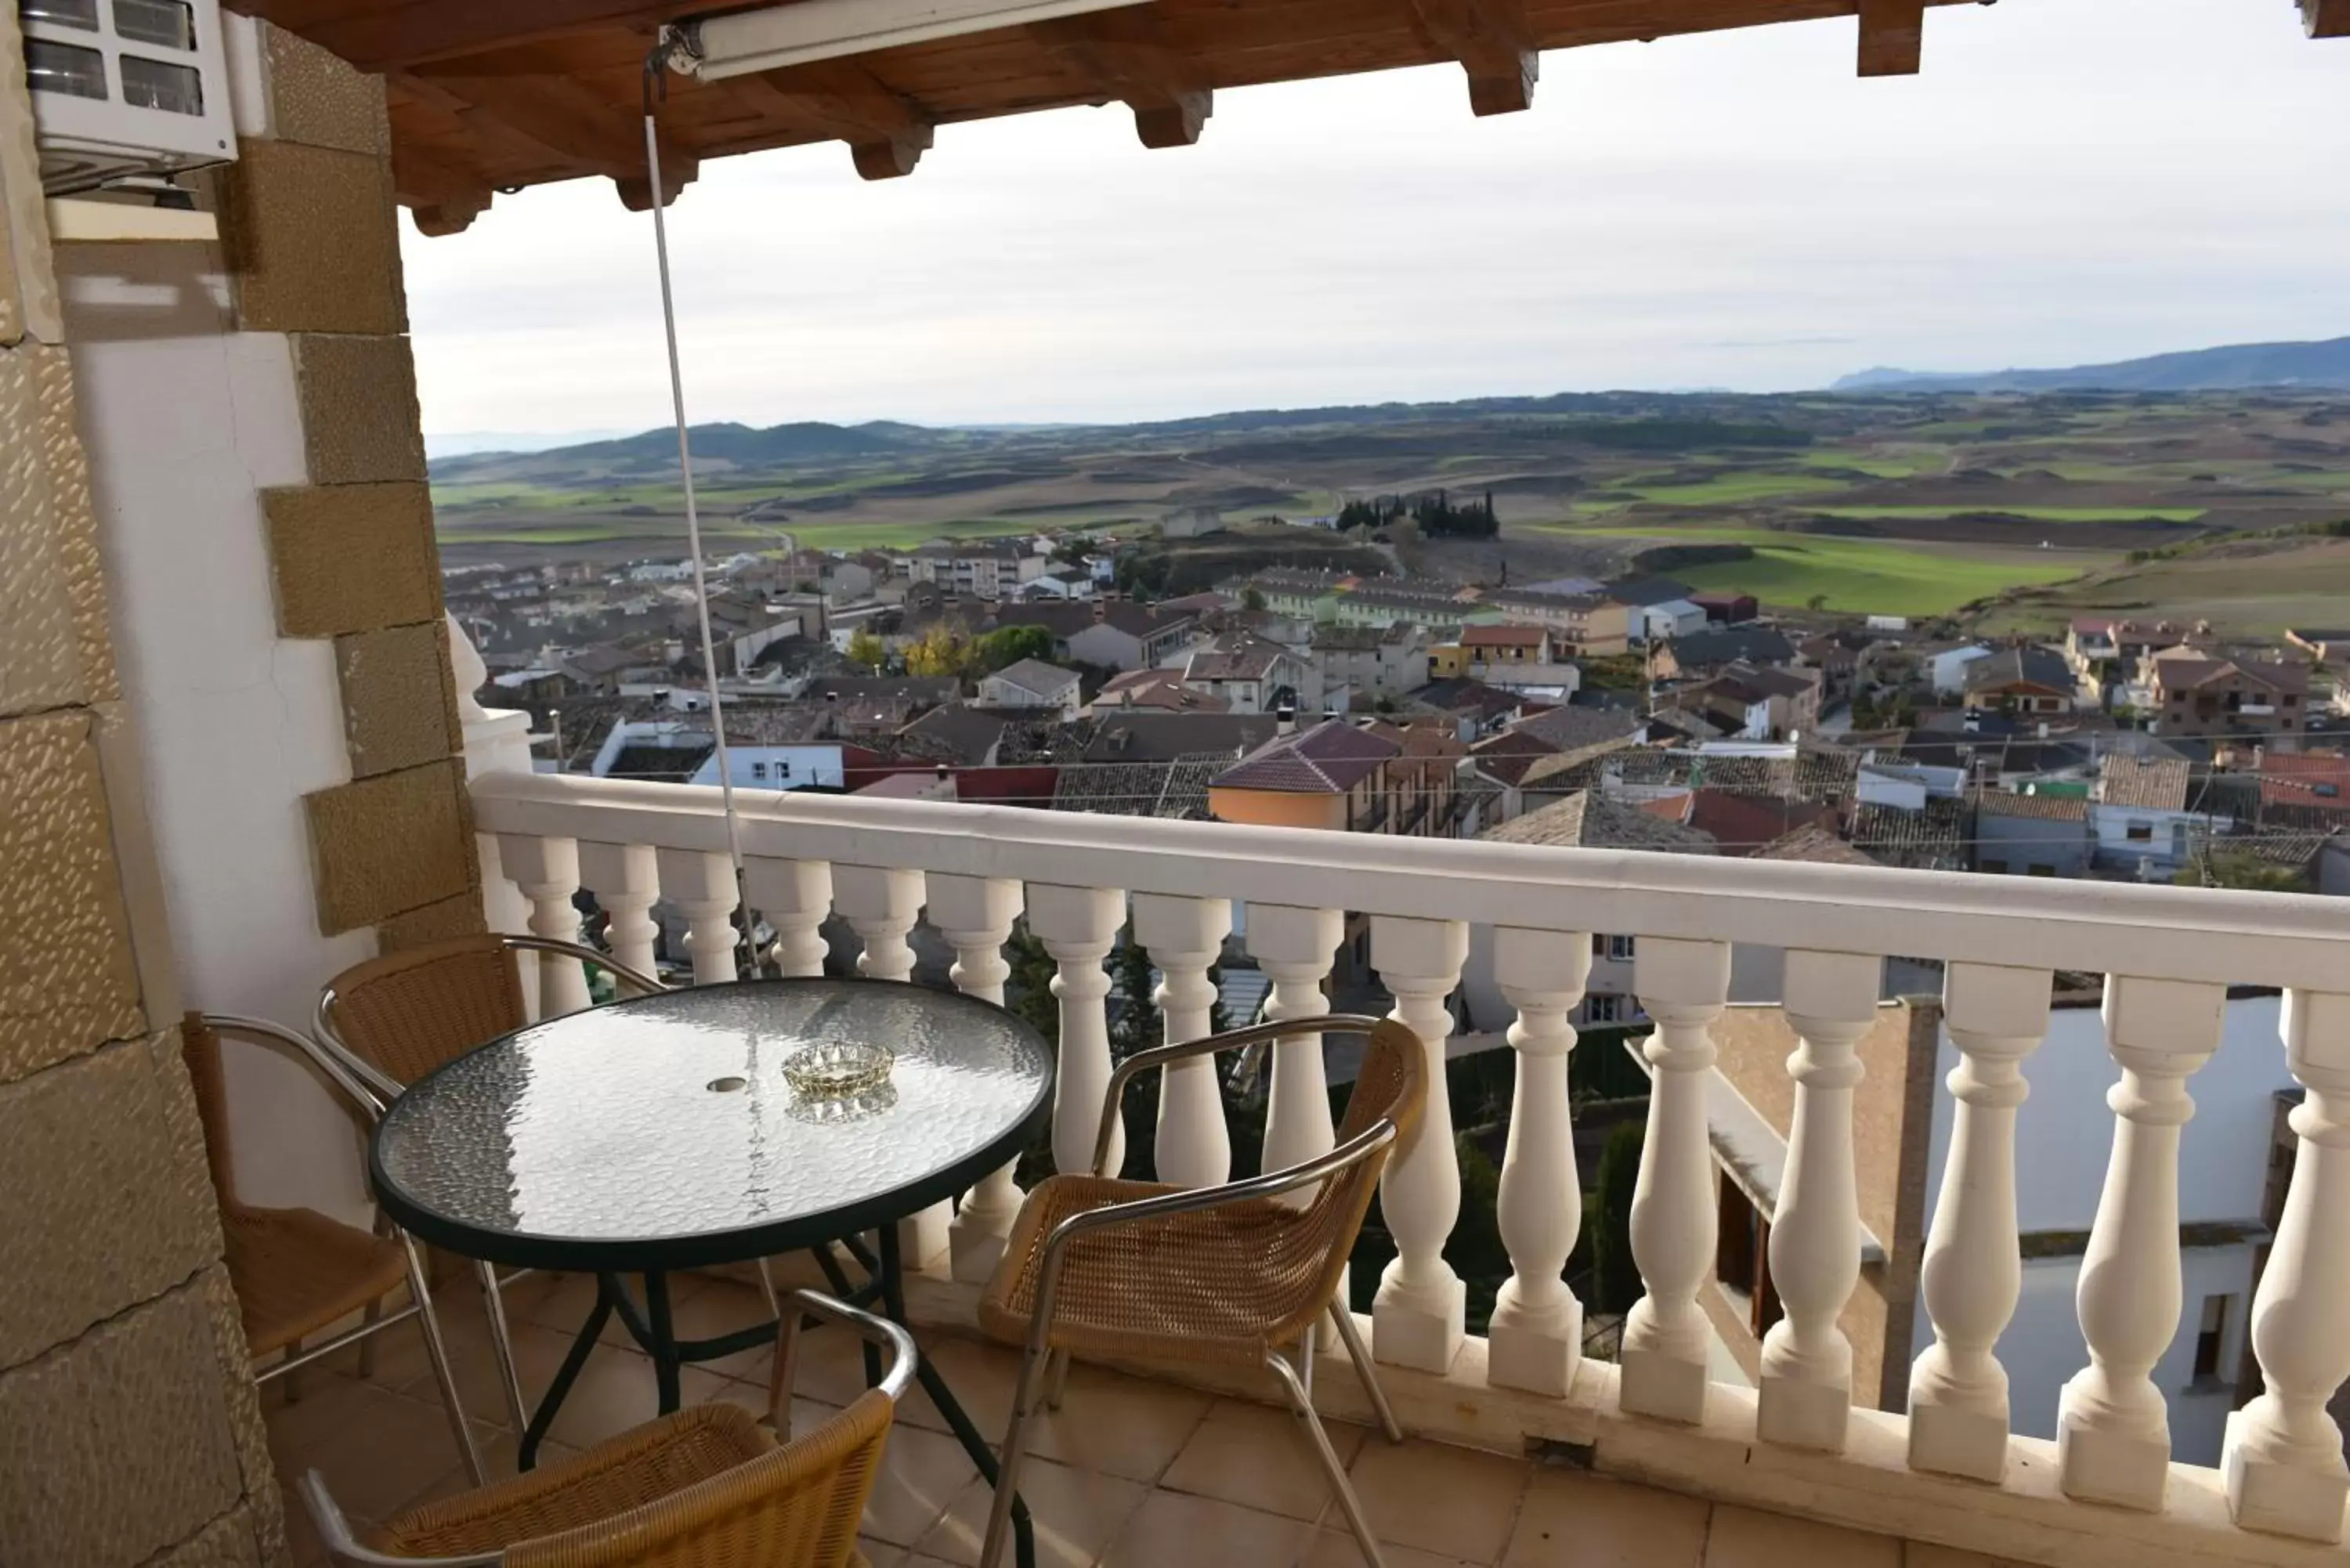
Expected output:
(587, 1254)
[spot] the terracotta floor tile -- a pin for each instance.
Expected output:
(1440, 1499)
(1749, 1538)
(1572, 1518)
(921, 1474)
(1924, 1555)
(390, 1449)
(1261, 1458)
(981, 1375)
(1339, 1549)
(1076, 1514)
(1117, 1425)
(1172, 1529)
(709, 1308)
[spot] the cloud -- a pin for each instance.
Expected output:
(1732, 209)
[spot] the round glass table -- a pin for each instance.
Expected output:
(665, 1133)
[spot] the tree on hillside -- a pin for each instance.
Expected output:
(1071, 552)
(1010, 644)
(1252, 598)
(865, 650)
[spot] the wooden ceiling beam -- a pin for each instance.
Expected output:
(1122, 54)
(887, 132)
(569, 123)
(1494, 45)
(2326, 18)
(442, 199)
(1892, 36)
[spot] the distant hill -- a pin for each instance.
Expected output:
(2232, 369)
(739, 444)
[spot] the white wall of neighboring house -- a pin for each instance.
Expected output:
(184, 422)
(2168, 833)
(1674, 618)
(2060, 1169)
(1949, 670)
(776, 767)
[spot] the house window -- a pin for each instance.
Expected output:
(1603, 1010)
(759, 770)
(1620, 946)
(2141, 833)
(2292, 699)
(1995, 867)
(783, 770)
(2209, 1336)
(1741, 1260)
(2040, 869)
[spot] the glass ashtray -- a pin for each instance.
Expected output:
(837, 1069)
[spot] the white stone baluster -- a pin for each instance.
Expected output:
(547, 872)
(1294, 948)
(1973, 1274)
(882, 905)
(1418, 1318)
(2112, 1429)
(1183, 937)
(976, 914)
(1806, 1397)
(1682, 986)
(626, 880)
(794, 897)
(1537, 1334)
(1078, 926)
(701, 883)
(2284, 1453)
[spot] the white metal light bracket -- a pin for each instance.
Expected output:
(744, 41)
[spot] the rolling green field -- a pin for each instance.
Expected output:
(1861, 576)
(1868, 579)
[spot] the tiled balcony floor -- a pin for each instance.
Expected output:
(1130, 1473)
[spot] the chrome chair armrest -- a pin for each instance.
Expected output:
(343, 1547)
(352, 1080)
(903, 1355)
(643, 984)
(1141, 1062)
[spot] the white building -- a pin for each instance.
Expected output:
(1035, 684)
(775, 767)
(1948, 669)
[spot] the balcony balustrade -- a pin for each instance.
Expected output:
(1948, 1470)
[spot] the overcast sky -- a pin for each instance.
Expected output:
(2068, 180)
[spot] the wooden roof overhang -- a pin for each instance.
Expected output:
(493, 95)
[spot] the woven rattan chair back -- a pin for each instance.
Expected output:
(200, 1047)
(409, 1013)
(1299, 1270)
(636, 1503)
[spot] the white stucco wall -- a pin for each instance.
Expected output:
(184, 422)
(2063, 1135)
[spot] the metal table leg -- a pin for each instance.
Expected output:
(526, 1453)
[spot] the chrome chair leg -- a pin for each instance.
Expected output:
(437, 1350)
(1361, 1356)
(501, 1347)
(1331, 1464)
(767, 1288)
(1034, 1365)
(1057, 1379)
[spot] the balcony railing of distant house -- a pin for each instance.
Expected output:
(1949, 1469)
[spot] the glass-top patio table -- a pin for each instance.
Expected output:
(662, 1132)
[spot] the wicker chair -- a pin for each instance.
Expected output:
(294, 1271)
(1235, 1274)
(705, 1488)
(390, 1021)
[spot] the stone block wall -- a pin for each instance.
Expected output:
(130, 1432)
(310, 233)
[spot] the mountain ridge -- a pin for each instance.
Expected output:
(2322, 363)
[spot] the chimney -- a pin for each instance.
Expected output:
(2043, 729)
(1285, 720)
(1101, 612)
